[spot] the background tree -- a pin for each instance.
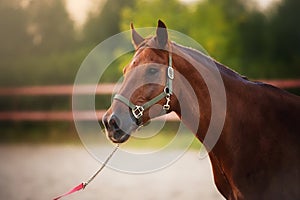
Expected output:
(210, 22)
(146, 13)
(105, 23)
(38, 39)
(15, 40)
(255, 43)
(51, 26)
(14, 37)
(283, 38)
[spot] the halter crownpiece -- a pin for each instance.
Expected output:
(137, 110)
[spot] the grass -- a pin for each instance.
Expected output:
(38, 133)
(156, 136)
(164, 139)
(65, 133)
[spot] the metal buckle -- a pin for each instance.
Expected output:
(137, 111)
(171, 73)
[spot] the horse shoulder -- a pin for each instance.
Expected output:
(263, 140)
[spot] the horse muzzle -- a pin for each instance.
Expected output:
(117, 128)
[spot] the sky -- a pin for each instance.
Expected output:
(79, 9)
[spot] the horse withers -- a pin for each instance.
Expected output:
(257, 152)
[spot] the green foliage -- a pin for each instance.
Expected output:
(51, 69)
(51, 27)
(211, 23)
(14, 38)
(235, 34)
(114, 71)
(102, 25)
(146, 13)
(38, 132)
(285, 30)
(40, 46)
(211, 29)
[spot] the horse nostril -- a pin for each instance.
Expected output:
(105, 122)
(114, 122)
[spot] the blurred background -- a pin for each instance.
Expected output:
(43, 43)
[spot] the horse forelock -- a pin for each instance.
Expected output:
(150, 43)
(142, 57)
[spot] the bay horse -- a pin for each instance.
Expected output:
(257, 154)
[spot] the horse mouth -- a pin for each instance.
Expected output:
(118, 128)
(118, 136)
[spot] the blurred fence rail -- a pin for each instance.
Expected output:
(58, 90)
(68, 90)
(284, 84)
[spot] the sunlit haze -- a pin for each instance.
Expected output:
(79, 9)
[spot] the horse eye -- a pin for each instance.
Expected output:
(152, 71)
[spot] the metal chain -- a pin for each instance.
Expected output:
(103, 165)
(167, 105)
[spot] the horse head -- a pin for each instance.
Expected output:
(146, 91)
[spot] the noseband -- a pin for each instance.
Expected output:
(138, 110)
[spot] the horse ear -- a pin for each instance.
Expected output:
(137, 39)
(162, 34)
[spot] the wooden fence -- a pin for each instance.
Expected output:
(59, 90)
(67, 90)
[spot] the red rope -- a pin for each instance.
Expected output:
(75, 189)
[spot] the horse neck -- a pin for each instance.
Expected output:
(201, 71)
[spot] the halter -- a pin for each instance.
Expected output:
(138, 110)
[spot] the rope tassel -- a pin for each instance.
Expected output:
(75, 189)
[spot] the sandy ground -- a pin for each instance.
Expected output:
(43, 172)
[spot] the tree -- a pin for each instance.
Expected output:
(207, 21)
(285, 34)
(212, 29)
(51, 26)
(105, 23)
(251, 42)
(146, 13)
(14, 37)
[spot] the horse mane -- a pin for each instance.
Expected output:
(198, 57)
(207, 60)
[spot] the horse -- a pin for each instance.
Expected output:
(257, 152)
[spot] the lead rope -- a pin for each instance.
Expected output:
(83, 185)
